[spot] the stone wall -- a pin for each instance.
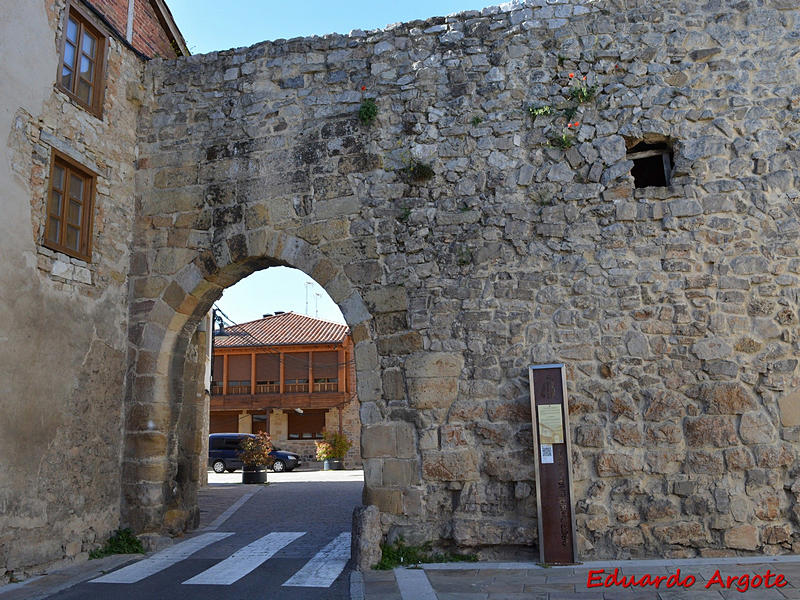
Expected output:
(674, 308)
(64, 321)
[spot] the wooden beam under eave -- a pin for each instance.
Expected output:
(261, 402)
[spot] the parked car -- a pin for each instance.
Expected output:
(223, 454)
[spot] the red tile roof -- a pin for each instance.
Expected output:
(282, 329)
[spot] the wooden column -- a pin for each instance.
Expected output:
(310, 372)
(224, 373)
(342, 375)
(253, 373)
(281, 382)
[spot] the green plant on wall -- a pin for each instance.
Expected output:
(581, 92)
(368, 111)
(563, 141)
(122, 542)
(419, 171)
(399, 554)
(540, 111)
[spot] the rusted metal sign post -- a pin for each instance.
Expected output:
(552, 446)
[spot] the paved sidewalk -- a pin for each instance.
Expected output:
(700, 579)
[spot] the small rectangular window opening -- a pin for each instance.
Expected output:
(652, 164)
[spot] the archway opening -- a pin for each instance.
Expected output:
(282, 363)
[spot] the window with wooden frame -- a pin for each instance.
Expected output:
(309, 425)
(70, 205)
(82, 61)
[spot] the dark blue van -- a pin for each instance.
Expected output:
(224, 448)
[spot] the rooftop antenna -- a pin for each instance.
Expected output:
(308, 285)
(316, 304)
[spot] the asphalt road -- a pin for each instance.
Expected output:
(289, 531)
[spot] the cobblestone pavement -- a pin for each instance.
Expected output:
(699, 579)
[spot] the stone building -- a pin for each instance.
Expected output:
(289, 375)
(64, 288)
(639, 225)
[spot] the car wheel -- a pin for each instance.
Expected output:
(278, 466)
(218, 466)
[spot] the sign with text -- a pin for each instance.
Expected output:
(552, 446)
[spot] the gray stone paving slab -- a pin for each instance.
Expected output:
(414, 584)
(498, 581)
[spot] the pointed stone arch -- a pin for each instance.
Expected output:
(168, 338)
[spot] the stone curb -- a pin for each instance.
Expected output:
(356, 585)
(658, 562)
(43, 586)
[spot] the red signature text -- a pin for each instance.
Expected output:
(742, 583)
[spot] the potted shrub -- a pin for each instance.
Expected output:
(255, 458)
(332, 450)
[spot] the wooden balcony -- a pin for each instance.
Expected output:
(242, 388)
(328, 386)
(290, 400)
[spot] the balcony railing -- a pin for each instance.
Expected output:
(268, 388)
(273, 387)
(326, 386)
(238, 387)
(290, 388)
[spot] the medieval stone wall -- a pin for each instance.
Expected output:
(63, 321)
(674, 308)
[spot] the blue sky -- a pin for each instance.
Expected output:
(209, 25)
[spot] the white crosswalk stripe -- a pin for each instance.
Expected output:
(325, 566)
(245, 560)
(161, 560)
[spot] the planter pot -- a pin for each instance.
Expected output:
(333, 464)
(254, 474)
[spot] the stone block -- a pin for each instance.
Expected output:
(378, 441)
(790, 409)
(776, 534)
(510, 466)
(373, 472)
(682, 533)
(742, 537)
(431, 392)
(756, 428)
(386, 500)
(146, 444)
(400, 344)
(708, 463)
(727, 398)
(413, 503)
(366, 356)
(365, 544)
(400, 473)
(393, 387)
(739, 459)
(712, 348)
(406, 436)
(609, 464)
(709, 430)
(453, 465)
(387, 299)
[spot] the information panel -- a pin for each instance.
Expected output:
(550, 415)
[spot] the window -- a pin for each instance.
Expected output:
(82, 61)
(652, 164)
(68, 228)
(306, 426)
